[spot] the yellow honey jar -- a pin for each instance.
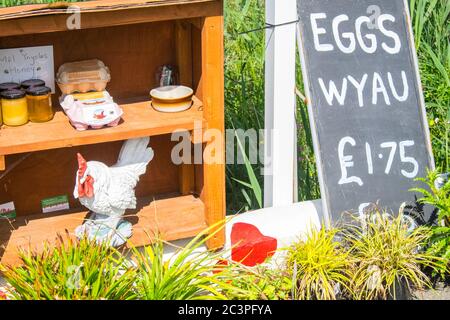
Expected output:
(3, 87)
(39, 104)
(14, 107)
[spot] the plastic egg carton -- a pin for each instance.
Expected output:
(83, 76)
(96, 112)
(82, 87)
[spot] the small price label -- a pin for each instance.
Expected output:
(53, 204)
(7, 210)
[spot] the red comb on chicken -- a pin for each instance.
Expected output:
(85, 189)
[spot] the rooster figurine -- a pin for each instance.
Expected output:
(108, 191)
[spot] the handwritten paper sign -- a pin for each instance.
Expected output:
(19, 64)
(365, 102)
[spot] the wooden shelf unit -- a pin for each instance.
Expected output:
(133, 38)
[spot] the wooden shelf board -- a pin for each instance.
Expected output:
(139, 120)
(90, 6)
(41, 18)
(173, 217)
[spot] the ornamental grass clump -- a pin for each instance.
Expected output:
(190, 273)
(320, 267)
(71, 270)
(388, 256)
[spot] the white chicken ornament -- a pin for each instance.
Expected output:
(108, 191)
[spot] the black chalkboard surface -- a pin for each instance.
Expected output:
(365, 102)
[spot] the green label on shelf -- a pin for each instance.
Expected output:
(7, 210)
(57, 203)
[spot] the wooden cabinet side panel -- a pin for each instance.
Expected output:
(213, 95)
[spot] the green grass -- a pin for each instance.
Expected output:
(12, 3)
(430, 20)
(244, 92)
(244, 104)
(244, 95)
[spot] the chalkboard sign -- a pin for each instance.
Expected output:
(365, 102)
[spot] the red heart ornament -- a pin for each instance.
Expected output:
(249, 246)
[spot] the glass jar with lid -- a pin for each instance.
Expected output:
(3, 87)
(9, 86)
(27, 84)
(39, 104)
(14, 107)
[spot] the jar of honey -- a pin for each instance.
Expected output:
(3, 87)
(39, 104)
(14, 107)
(27, 84)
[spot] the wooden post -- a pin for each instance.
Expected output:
(280, 103)
(213, 112)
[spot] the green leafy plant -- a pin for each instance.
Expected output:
(71, 270)
(319, 267)
(189, 274)
(388, 256)
(437, 197)
(439, 243)
(240, 282)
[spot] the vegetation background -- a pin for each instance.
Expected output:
(244, 91)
